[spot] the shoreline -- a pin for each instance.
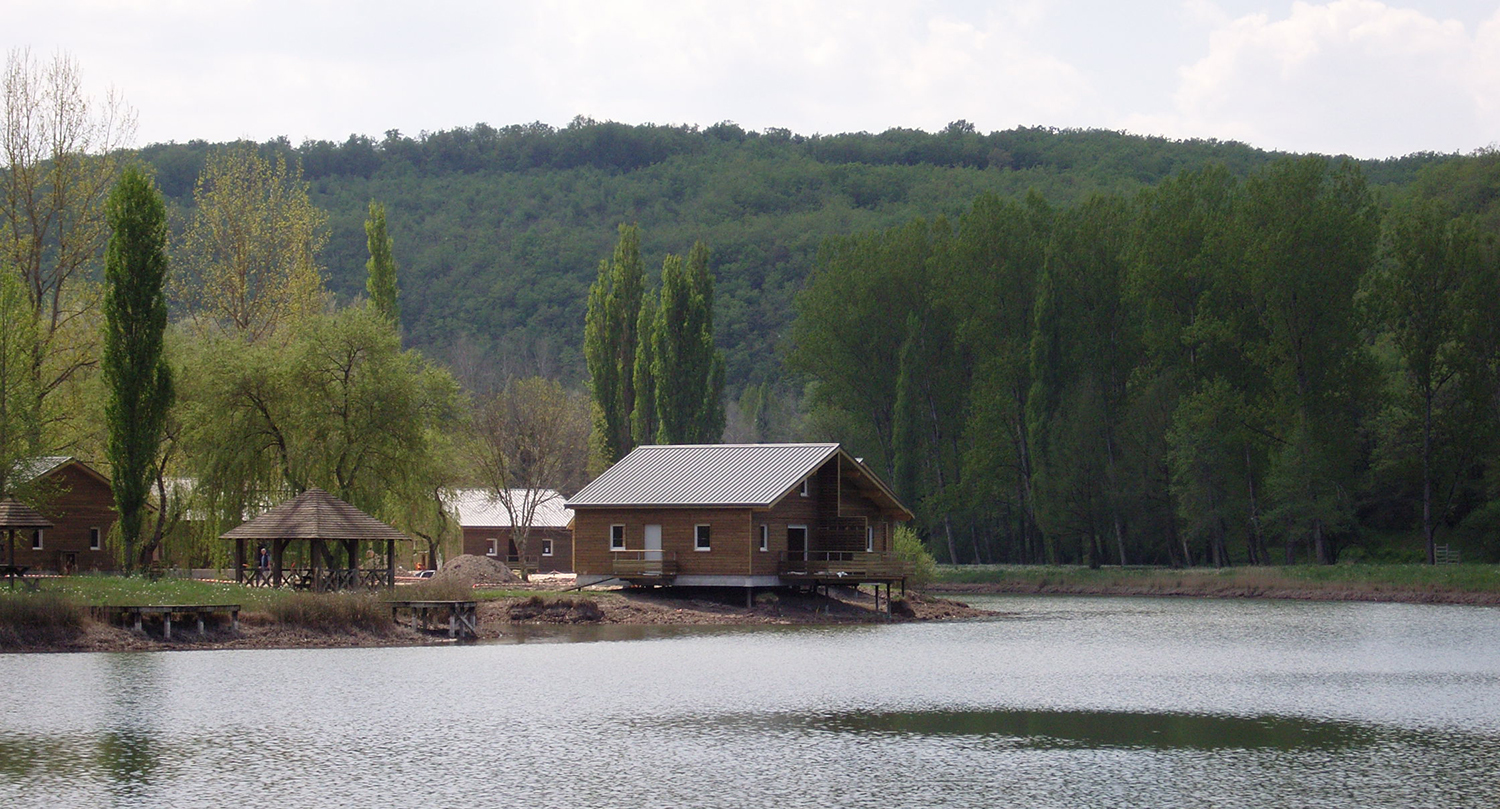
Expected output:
(1333, 591)
(503, 617)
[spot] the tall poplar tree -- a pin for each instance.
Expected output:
(381, 283)
(136, 374)
(688, 370)
(610, 339)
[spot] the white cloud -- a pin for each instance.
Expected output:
(1353, 76)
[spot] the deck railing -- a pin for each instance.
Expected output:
(839, 564)
(645, 564)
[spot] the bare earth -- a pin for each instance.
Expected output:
(258, 631)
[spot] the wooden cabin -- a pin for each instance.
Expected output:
(80, 504)
(737, 515)
(488, 532)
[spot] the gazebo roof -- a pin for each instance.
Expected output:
(15, 514)
(315, 514)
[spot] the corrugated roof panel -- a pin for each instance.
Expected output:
(481, 508)
(704, 475)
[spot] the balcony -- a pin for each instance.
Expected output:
(654, 565)
(853, 566)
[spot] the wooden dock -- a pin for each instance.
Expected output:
(463, 616)
(134, 614)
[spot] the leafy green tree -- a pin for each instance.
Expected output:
(643, 422)
(1310, 234)
(381, 268)
(611, 339)
(249, 257)
(136, 373)
(1426, 294)
(62, 151)
(19, 427)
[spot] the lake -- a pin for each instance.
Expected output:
(1060, 702)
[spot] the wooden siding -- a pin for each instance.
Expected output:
(81, 502)
(477, 543)
(729, 536)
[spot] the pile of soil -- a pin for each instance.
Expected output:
(469, 570)
(556, 611)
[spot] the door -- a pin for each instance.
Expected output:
(796, 543)
(653, 547)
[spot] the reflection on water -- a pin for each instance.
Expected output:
(1064, 703)
(1094, 729)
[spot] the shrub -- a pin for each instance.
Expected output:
(909, 549)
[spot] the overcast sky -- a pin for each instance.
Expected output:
(1359, 77)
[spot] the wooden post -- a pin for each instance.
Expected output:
(278, 553)
(166, 623)
(390, 562)
(239, 561)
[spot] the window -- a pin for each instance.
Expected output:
(765, 538)
(494, 547)
(869, 538)
(700, 537)
(36, 539)
(93, 539)
(803, 490)
(546, 547)
(617, 537)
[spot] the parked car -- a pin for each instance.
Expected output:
(423, 574)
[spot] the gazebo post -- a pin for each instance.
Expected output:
(278, 552)
(239, 561)
(390, 562)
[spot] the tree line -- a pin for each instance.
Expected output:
(1214, 370)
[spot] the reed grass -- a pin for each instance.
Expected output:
(33, 619)
(333, 612)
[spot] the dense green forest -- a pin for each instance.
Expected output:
(498, 232)
(1066, 346)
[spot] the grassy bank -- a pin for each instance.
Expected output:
(1467, 583)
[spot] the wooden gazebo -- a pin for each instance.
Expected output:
(17, 515)
(333, 529)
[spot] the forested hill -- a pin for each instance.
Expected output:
(499, 232)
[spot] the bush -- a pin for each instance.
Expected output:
(909, 549)
(38, 618)
(333, 612)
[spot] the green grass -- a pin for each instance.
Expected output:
(138, 591)
(1415, 578)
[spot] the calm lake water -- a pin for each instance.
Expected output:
(1062, 702)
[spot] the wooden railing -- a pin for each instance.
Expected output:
(838, 564)
(301, 578)
(645, 564)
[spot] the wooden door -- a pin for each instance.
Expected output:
(796, 543)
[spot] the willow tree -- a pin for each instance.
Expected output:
(137, 378)
(250, 253)
(381, 268)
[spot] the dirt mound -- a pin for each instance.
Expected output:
(470, 570)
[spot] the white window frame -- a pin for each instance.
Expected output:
(37, 539)
(869, 539)
(96, 541)
(617, 543)
(546, 547)
(703, 537)
(804, 491)
(765, 538)
(493, 546)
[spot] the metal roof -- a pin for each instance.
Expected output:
(482, 508)
(705, 475)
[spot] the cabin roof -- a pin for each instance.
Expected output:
(29, 469)
(720, 475)
(482, 508)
